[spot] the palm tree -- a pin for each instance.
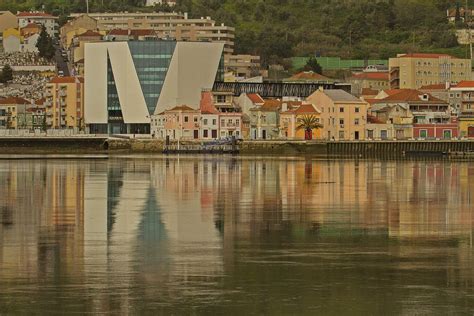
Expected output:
(308, 123)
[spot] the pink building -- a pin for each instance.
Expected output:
(181, 122)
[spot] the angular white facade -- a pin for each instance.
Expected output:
(131, 81)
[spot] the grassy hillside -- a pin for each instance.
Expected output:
(278, 29)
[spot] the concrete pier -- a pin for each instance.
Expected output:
(104, 145)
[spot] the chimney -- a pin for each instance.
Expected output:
(284, 107)
(448, 85)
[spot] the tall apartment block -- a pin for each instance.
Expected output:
(412, 71)
(169, 25)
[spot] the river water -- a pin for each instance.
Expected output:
(243, 236)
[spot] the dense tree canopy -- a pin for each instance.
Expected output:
(276, 29)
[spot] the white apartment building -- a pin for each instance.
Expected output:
(168, 25)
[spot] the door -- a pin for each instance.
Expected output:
(400, 134)
(196, 134)
(214, 134)
(383, 134)
(470, 132)
(447, 134)
(423, 133)
(356, 135)
(264, 134)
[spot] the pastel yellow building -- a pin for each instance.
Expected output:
(65, 103)
(290, 121)
(343, 116)
(412, 71)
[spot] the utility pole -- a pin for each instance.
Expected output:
(87, 6)
(467, 19)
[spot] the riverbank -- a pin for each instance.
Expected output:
(104, 145)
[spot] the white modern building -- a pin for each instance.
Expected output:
(126, 83)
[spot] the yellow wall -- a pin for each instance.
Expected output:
(66, 115)
(464, 124)
(11, 32)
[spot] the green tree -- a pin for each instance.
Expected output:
(45, 45)
(313, 65)
(308, 123)
(6, 75)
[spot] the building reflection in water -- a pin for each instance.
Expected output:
(194, 230)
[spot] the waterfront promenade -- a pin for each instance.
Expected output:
(103, 144)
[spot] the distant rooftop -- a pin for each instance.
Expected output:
(338, 95)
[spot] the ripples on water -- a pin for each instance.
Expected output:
(240, 236)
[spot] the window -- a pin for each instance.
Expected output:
(237, 122)
(341, 134)
(341, 121)
(356, 121)
(423, 133)
(222, 122)
(357, 110)
(205, 121)
(205, 133)
(195, 119)
(214, 122)
(341, 110)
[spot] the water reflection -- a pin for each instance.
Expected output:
(236, 235)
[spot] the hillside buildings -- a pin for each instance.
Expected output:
(128, 82)
(412, 71)
(171, 25)
(41, 18)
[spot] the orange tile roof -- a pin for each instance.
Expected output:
(304, 108)
(142, 32)
(13, 100)
(372, 76)
(424, 55)
(67, 80)
(255, 98)
(465, 84)
(391, 91)
(410, 95)
(40, 101)
(438, 86)
(34, 14)
(369, 91)
(182, 108)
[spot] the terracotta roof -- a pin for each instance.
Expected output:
(269, 105)
(410, 95)
(14, 100)
(438, 86)
(307, 76)
(118, 32)
(304, 108)
(142, 32)
(34, 14)
(338, 95)
(90, 33)
(67, 80)
(424, 55)
(392, 91)
(255, 98)
(31, 25)
(372, 76)
(369, 91)
(465, 84)
(40, 101)
(182, 108)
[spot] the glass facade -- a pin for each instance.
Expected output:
(152, 60)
